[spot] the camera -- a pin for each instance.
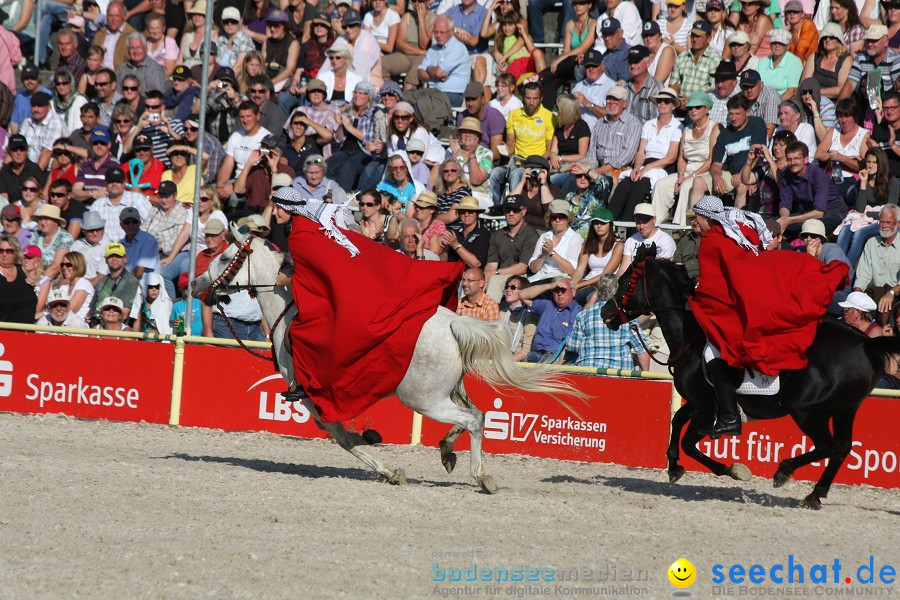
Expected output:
(759, 152)
(534, 174)
(264, 151)
(94, 319)
(154, 117)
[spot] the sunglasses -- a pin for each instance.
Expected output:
(559, 217)
(58, 194)
(419, 152)
(189, 128)
(28, 188)
(129, 88)
(560, 290)
(131, 222)
(229, 22)
(121, 121)
(582, 176)
(115, 308)
(403, 117)
(368, 204)
(152, 287)
(204, 199)
(101, 83)
(512, 287)
(258, 90)
(512, 210)
(62, 83)
(152, 106)
(451, 170)
(58, 305)
(11, 251)
(296, 123)
(68, 265)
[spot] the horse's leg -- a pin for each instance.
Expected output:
(448, 456)
(349, 442)
(843, 434)
(689, 445)
(682, 416)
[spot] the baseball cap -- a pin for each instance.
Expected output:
(214, 227)
(270, 141)
(231, 13)
(100, 134)
(11, 212)
(701, 27)
(226, 74)
(793, 6)
(416, 145)
(651, 28)
(739, 37)
(181, 73)
(115, 249)
(351, 17)
(32, 252)
(167, 188)
(112, 301)
(129, 212)
(29, 71)
(18, 142)
(593, 57)
(860, 301)
(512, 203)
(749, 78)
(644, 209)
(115, 175)
(193, 120)
(604, 215)
(40, 99)
(143, 142)
(610, 25)
(277, 16)
(57, 296)
(710, 4)
(637, 53)
(392, 88)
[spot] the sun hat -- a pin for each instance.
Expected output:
(780, 36)
(559, 207)
(92, 220)
(404, 107)
(49, 211)
(699, 99)
(199, 8)
(814, 227)
(666, 93)
(471, 124)
(467, 203)
(426, 199)
(860, 301)
(832, 30)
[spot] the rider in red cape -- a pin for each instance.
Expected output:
(359, 316)
(758, 309)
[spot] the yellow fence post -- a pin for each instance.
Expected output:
(177, 376)
(415, 437)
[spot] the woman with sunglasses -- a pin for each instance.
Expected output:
(155, 309)
(18, 302)
(123, 120)
(63, 165)
(424, 208)
(591, 194)
(340, 79)
(557, 250)
(51, 237)
(601, 255)
(656, 157)
(377, 223)
(184, 175)
(30, 200)
(234, 43)
(191, 48)
(398, 181)
(451, 186)
(578, 38)
(112, 315)
(67, 102)
(404, 126)
(72, 282)
(830, 65)
(521, 322)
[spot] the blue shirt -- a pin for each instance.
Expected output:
(554, 324)
(616, 63)
(471, 23)
(599, 346)
(452, 57)
(22, 106)
(814, 191)
(178, 312)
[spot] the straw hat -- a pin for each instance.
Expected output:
(467, 203)
(48, 211)
(471, 124)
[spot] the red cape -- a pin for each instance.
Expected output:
(359, 318)
(761, 311)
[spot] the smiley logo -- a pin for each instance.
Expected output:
(682, 573)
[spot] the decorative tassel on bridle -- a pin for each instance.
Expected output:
(211, 296)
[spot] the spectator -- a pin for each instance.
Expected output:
(404, 127)
(51, 237)
(556, 251)
(237, 150)
(89, 185)
(726, 86)
(535, 191)
(169, 223)
(253, 65)
(647, 235)
(375, 222)
(688, 247)
(69, 59)
(878, 55)
(600, 255)
(71, 211)
(213, 152)
(271, 116)
(474, 302)
(133, 96)
(662, 54)
(210, 210)
(642, 87)
(876, 188)
(280, 50)
(59, 314)
(41, 130)
(161, 49)
(514, 51)
(18, 302)
(843, 149)
(879, 265)
(556, 317)
(177, 318)
(571, 141)
(191, 48)
(845, 14)
(474, 158)
(180, 99)
(741, 55)
(66, 101)
(694, 69)
(720, 27)
(755, 24)
(807, 193)
(615, 137)
(763, 170)
(156, 308)
(764, 101)
(804, 35)
(340, 78)
(79, 292)
(80, 137)
(598, 346)
(123, 121)
(730, 153)
(505, 99)
(87, 84)
(411, 45)
(446, 62)
(31, 85)
(492, 123)
(790, 116)
(141, 248)
(857, 312)
(113, 315)
(578, 39)
(421, 170)
(116, 199)
(817, 246)
(694, 160)
(655, 158)
(19, 168)
(233, 42)
(182, 174)
(313, 183)
(155, 124)
(144, 171)
(520, 321)
(887, 129)
(92, 246)
(390, 93)
(365, 48)
(255, 181)
(63, 165)
(591, 193)
(451, 187)
(468, 242)
(781, 70)
(362, 140)
(11, 218)
(592, 90)
(510, 248)
(615, 56)
(33, 265)
(677, 25)
(151, 75)
(303, 143)
(383, 22)
(412, 244)
(626, 13)
(119, 283)
(831, 62)
(819, 111)
(424, 209)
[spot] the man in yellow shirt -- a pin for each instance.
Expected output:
(529, 131)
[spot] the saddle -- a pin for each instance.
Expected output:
(754, 383)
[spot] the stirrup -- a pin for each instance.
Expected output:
(294, 395)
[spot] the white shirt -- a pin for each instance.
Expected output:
(568, 248)
(627, 14)
(94, 256)
(242, 307)
(382, 31)
(665, 245)
(595, 93)
(512, 104)
(240, 145)
(659, 140)
(110, 212)
(806, 133)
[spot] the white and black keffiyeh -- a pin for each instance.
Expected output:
(330, 216)
(711, 207)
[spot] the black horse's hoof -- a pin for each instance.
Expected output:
(675, 473)
(371, 437)
(780, 478)
(811, 502)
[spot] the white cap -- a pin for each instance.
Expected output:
(644, 209)
(57, 295)
(859, 301)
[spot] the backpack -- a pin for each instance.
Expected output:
(432, 108)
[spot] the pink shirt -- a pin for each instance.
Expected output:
(9, 45)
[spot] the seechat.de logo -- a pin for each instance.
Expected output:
(6, 375)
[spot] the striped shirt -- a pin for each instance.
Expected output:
(486, 309)
(599, 346)
(766, 106)
(93, 176)
(890, 68)
(615, 143)
(161, 138)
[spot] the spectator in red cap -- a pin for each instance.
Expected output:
(11, 218)
(34, 269)
(18, 303)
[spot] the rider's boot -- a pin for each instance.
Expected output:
(294, 394)
(728, 419)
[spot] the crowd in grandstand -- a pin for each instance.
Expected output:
(459, 131)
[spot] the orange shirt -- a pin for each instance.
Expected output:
(806, 41)
(485, 309)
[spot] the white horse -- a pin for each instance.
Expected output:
(447, 348)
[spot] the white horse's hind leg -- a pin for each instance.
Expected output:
(348, 442)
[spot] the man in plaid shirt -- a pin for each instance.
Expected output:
(475, 303)
(694, 69)
(596, 345)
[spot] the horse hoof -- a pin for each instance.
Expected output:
(675, 474)
(811, 502)
(740, 472)
(780, 479)
(488, 484)
(398, 478)
(371, 437)
(449, 461)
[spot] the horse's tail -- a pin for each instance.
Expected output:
(485, 348)
(882, 349)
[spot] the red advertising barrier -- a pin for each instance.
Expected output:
(227, 388)
(91, 378)
(872, 461)
(538, 425)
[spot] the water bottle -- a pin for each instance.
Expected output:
(179, 325)
(836, 173)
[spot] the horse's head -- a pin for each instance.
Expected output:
(648, 285)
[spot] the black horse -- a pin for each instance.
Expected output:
(844, 366)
